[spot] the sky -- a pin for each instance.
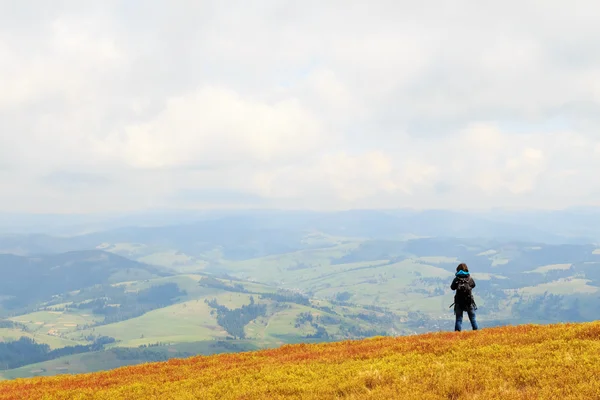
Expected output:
(132, 105)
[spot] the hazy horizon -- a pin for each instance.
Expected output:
(117, 107)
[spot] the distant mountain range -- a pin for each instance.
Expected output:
(282, 231)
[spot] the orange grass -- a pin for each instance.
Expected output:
(522, 362)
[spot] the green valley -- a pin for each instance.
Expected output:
(144, 294)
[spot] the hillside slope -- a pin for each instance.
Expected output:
(25, 280)
(522, 362)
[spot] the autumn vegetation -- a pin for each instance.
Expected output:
(522, 362)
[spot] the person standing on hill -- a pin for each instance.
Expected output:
(463, 283)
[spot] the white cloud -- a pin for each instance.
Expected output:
(314, 104)
(218, 127)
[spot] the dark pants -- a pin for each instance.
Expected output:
(459, 318)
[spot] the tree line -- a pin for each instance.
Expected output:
(119, 305)
(234, 320)
(24, 351)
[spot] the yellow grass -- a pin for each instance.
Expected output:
(524, 362)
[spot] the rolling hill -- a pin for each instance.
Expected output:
(26, 280)
(263, 279)
(335, 288)
(518, 362)
(197, 311)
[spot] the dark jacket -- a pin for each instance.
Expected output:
(462, 274)
(454, 285)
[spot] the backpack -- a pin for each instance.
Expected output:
(464, 296)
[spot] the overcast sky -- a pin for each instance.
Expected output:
(127, 105)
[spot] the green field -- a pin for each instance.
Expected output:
(486, 276)
(271, 269)
(57, 323)
(439, 260)
(391, 285)
(568, 286)
(55, 342)
(185, 322)
(74, 364)
(109, 359)
(551, 267)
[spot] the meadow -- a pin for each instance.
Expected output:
(515, 362)
(55, 342)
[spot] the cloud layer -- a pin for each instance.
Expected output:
(141, 104)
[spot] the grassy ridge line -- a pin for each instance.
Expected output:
(522, 362)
